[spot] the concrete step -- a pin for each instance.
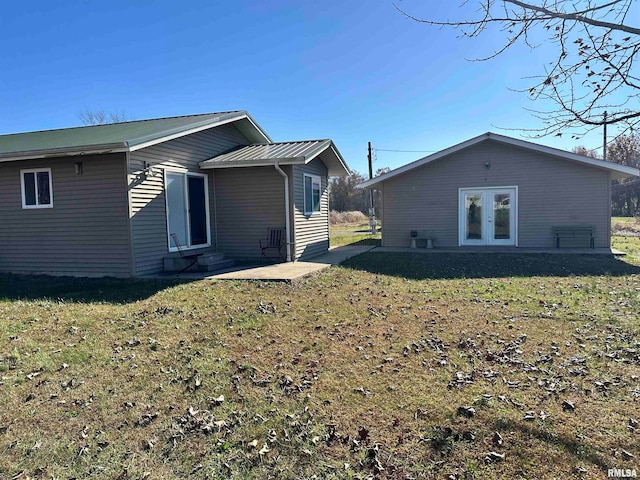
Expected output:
(210, 258)
(219, 265)
(209, 262)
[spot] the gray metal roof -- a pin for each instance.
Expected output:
(617, 171)
(285, 153)
(120, 136)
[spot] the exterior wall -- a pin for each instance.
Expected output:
(148, 208)
(86, 233)
(311, 231)
(550, 192)
(248, 202)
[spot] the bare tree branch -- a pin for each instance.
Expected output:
(578, 16)
(100, 117)
(594, 66)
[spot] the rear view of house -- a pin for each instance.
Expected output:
(496, 191)
(117, 199)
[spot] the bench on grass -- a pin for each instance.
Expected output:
(421, 236)
(585, 232)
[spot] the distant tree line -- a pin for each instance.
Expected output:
(344, 196)
(625, 194)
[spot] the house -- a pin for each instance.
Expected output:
(497, 191)
(105, 200)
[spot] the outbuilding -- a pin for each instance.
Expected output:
(498, 191)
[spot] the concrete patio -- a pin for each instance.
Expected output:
(288, 272)
(283, 272)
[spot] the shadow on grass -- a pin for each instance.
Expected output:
(487, 265)
(583, 452)
(84, 290)
(365, 241)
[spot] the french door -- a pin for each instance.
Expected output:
(187, 200)
(488, 216)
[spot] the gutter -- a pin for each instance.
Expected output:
(65, 152)
(286, 209)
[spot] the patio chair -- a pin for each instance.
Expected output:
(271, 247)
(192, 257)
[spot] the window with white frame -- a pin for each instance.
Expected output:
(311, 194)
(37, 191)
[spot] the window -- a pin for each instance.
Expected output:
(311, 194)
(36, 188)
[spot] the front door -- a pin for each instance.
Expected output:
(488, 216)
(187, 209)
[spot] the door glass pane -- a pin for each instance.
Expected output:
(176, 206)
(197, 210)
(502, 216)
(473, 209)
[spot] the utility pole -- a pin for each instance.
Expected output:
(372, 212)
(604, 140)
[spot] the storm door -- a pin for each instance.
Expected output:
(488, 216)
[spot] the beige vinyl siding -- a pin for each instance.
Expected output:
(86, 232)
(248, 202)
(148, 208)
(551, 191)
(311, 231)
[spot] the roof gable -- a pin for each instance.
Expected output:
(124, 136)
(617, 171)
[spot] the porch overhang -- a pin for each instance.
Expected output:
(282, 153)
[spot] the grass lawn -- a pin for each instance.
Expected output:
(392, 366)
(353, 234)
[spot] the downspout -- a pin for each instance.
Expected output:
(286, 209)
(132, 258)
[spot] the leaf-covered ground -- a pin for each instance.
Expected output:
(391, 366)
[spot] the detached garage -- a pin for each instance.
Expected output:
(497, 191)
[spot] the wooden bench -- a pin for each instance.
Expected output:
(574, 232)
(421, 235)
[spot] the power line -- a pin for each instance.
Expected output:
(404, 151)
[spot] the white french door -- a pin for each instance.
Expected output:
(488, 216)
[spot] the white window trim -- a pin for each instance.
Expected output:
(185, 174)
(22, 189)
(307, 212)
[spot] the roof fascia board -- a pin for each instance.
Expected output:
(423, 161)
(66, 152)
(322, 148)
(566, 155)
(614, 167)
(173, 134)
(258, 128)
(340, 159)
(270, 163)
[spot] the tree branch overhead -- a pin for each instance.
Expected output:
(594, 68)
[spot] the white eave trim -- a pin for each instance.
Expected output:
(623, 170)
(259, 163)
(340, 159)
(65, 152)
(199, 128)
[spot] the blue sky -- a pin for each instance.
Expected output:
(351, 70)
